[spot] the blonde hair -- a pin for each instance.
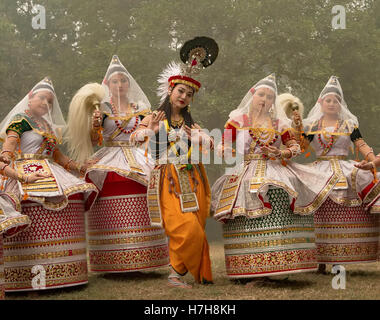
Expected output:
(285, 102)
(79, 123)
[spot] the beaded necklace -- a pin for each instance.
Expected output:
(137, 119)
(326, 147)
(51, 143)
(257, 133)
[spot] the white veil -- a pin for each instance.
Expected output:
(244, 111)
(332, 87)
(54, 117)
(134, 94)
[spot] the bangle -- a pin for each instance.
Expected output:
(66, 166)
(361, 145)
(20, 177)
(13, 136)
(82, 171)
(370, 151)
(2, 172)
(283, 155)
(10, 152)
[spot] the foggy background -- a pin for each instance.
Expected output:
(293, 38)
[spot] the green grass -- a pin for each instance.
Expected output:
(362, 283)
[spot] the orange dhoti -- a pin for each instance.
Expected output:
(188, 246)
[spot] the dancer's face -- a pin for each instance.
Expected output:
(330, 105)
(262, 100)
(41, 102)
(181, 95)
(118, 85)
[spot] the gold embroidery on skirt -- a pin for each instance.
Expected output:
(153, 197)
(342, 183)
(133, 164)
(229, 192)
(40, 187)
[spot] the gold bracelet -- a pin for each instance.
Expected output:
(81, 171)
(281, 155)
(66, 166)
(20, 177)
(2, 172)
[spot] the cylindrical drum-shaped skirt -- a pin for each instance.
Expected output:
(346, 234)
(51, 253)
(279, 243)
(1, 268)
(121, 238)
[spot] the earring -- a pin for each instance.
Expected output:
(188, 108)
(271, 111)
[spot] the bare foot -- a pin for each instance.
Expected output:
(175, 282)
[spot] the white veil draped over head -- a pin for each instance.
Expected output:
(134, 94)
(54, 116)
(245, 108)
(349, 120)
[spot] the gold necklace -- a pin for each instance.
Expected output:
(177, 123)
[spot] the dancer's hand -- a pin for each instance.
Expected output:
(154, 121)
(96, 119)
(365, 165)
(35, 176)
(297, 118)
(87, 164)
(193, 133)
(5, 159)
(271, 152)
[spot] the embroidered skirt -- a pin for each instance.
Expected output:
(121, 238)
(53, 249)
(1, 269)
(279, 243)
(346, 234)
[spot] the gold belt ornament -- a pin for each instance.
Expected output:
(126, 146)
(187, 197)
(33, 156)
(324, 158)
(118, 144)
(253, 156)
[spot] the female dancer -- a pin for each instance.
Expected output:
(12, 222)
(55, 241)
(266, 204)
(178, 191)
(121, 238)
(345, 231)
